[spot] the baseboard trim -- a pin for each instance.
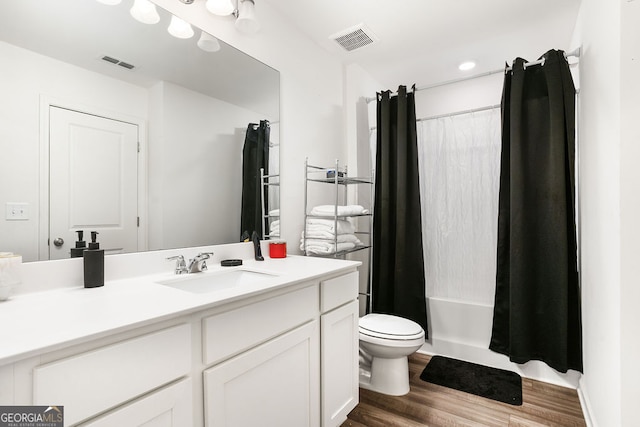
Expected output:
(586, 405)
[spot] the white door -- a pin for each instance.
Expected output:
(93, 182)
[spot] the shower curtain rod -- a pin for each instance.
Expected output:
(575, 53)
(457, 113)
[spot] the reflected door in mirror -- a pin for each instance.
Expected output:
(93, 181)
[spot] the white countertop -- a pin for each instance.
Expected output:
(34, 323)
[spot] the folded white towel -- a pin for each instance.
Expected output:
(330, 210)
(324, 235)
(275, 212)
(319, 224)
(275, 225)
(324, 247)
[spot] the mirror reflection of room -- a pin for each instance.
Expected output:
(132, 140)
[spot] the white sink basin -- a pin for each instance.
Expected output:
(201, 283)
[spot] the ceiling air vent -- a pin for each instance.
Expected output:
(354, 38)
(118, 62)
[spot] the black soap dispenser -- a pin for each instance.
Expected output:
(81, 245)
(256, 246)
(93, 264)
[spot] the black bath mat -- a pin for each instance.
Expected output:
(497, 384)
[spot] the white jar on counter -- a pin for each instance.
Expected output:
(10, 273)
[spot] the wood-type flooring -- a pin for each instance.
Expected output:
(432, 405)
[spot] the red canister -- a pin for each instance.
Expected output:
(278, 249)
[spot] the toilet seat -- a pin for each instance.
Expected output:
(388, 327)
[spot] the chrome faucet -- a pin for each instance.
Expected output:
(181, 266)
(196, 265)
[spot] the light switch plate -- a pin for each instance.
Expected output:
(17, 211)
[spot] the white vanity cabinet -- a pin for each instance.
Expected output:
(103, 378)
(171, 406)
(280, 356)
(270, 374)
(339, 348)
(274, 384)
(306, 376)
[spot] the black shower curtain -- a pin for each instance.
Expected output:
(398, 281)
(255, 155)
(537, 301)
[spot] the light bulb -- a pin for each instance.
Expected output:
(220, 7)
(466, 66)
(208, 43)
(247, 21)
(179, 28)
(109, 2)
(144, 11)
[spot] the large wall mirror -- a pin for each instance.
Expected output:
(78, 70)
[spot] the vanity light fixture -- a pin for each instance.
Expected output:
(179, 28)
(144, 11)
(220, 7)
(466, 66)
(208, 43)
(246, 20)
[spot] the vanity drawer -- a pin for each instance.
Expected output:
(234, 331)
(95, 381)
(337, 291)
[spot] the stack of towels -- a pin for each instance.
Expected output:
(327, 236)
(274, 226)
(330, 210)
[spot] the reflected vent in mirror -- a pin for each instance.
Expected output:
(118, 62)
(354, 38)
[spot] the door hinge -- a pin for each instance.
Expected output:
(138, 146)
(138, 221)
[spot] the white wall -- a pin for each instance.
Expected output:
(311, 98)
(359, 118)
(22, 84)
(611, 205)
(630, 212)
(598, 31)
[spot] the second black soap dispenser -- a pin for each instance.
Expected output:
(93, 264)
(81, 245)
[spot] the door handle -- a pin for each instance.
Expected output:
(58, 242)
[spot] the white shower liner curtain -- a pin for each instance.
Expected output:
(459, 163)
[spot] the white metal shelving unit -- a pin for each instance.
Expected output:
(337, 177)
(268, 182)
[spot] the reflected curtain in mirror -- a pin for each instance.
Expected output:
(255, 156)
(537, 301)
(398, 280)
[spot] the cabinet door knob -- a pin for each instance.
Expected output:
(58, 242)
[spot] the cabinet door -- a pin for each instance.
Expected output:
(114, 374)
(274, 384)
(339, 342)
(171, 406)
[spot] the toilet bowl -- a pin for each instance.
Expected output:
(385, 343)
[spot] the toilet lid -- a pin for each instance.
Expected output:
(387, 325)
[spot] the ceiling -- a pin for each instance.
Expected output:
(424, 41)
(81, 32)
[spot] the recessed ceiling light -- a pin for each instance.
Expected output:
(466, 66)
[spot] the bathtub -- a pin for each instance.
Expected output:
(462, 330)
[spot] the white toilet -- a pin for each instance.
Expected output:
(385, 343)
